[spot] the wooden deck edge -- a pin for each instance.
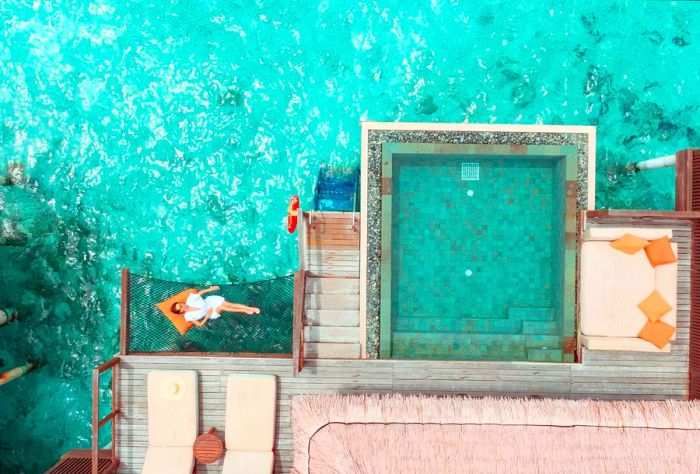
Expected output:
(681, 215)
(224, 355)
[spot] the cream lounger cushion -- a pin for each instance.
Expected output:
(172, 421)
(248, 462)
(173, 460)
(614, 233)
(621, 344)
(251, 402)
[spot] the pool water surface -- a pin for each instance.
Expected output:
(477, 262)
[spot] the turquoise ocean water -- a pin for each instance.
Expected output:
(168, 136)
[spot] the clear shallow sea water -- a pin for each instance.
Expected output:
(168, 136)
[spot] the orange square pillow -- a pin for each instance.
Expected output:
(654, 306)
(629, 243)
(658, 333)
(659, 252)
(178, 320)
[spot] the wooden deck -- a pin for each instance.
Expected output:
(627, 377)
(602, 375)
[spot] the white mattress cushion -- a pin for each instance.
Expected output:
(612, 284)
(634, 344)
(172, 422)
(251, 401)
(667, 286)
(248, 462)
(173, 460)
(614, 233)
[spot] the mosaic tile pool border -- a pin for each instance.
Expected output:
(375, 139)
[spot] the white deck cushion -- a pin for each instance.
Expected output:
(248, 462)
(614, 283)
(613, 233)
(159, 459)
(621, 344)
(667, 286)
(251, 401)
(172, 422)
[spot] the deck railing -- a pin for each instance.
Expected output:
(688, 199)
(98, 422)
(300, 296)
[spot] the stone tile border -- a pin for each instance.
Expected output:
(376, 134)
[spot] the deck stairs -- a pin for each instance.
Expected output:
(332, 311)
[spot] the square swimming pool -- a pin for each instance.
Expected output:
(478, 253)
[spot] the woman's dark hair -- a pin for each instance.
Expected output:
(175, 309)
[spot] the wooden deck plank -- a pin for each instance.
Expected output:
(329, 317)
(331, 334)
(324, 301)
(343, 286)
(332, 350)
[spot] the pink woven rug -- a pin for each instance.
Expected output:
(418, 434)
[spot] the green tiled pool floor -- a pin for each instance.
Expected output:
(475, 263)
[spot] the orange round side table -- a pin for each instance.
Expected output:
(208, 448)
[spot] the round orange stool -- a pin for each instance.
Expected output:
(208, 448)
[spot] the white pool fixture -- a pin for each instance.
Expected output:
(470, 171)
(468, 272)
(654, 163)
(470, 193)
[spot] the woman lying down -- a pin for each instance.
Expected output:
(198, 310)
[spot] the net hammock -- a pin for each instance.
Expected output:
(269, 332)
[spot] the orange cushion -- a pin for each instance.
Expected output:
(658, 333)
(178, 320)
(629, 243)
(654, 306)
(659, 252)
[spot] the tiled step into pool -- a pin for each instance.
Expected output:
(525, 333)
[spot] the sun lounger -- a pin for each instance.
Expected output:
(172, 422)
(251, 403)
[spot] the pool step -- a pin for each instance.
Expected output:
(530, 313)
(449, 346)
(545, 355)
(458, 325)
(477, 326)
(541, 327)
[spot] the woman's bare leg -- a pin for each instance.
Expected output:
(239, 308)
